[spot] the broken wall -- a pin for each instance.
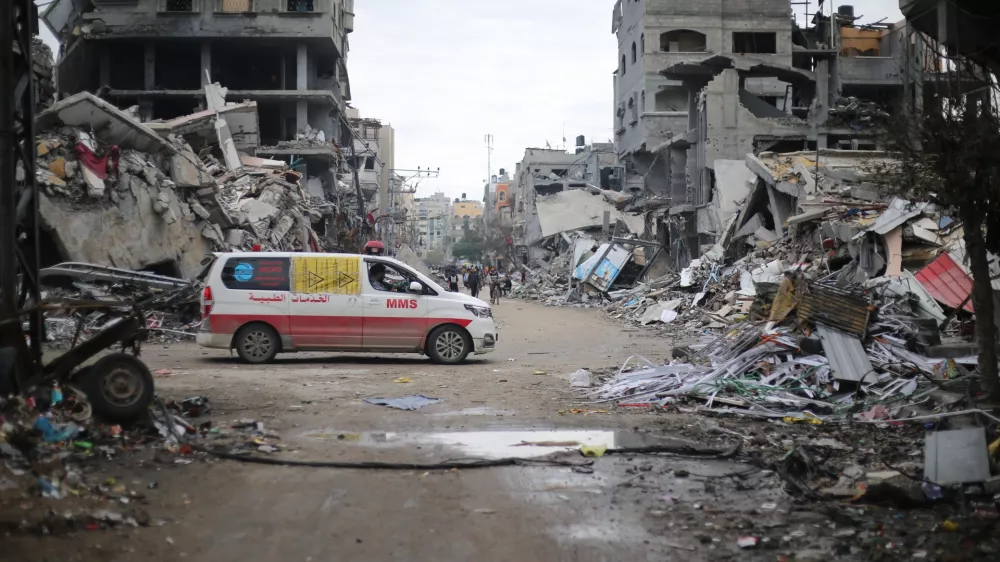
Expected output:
(732, 127)
(129, 235)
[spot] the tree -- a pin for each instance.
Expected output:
(470, 247)
(947, 151)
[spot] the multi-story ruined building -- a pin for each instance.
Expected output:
(782, 88)
(287, 55)
(655, 34)
(544, 172)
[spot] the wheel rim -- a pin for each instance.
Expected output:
(122, 386)
(257, 344)
(450, 345)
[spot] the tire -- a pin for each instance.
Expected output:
(448, 345)
(257, 343)
(119, 387)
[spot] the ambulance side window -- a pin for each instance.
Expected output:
(256, 274)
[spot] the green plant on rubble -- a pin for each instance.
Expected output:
(945, 149)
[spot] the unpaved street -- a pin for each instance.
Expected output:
(223, 510)
(624, 507)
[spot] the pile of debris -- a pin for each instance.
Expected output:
(171, 305)
(136, 195)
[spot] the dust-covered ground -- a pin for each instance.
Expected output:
(624, 507)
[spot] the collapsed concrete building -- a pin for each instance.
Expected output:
(288, 56)
(656, 34)
(541, 176)
(837, 81)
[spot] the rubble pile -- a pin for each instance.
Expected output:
(144, 197)
(52, 448)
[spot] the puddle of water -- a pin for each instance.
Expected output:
(494, 444)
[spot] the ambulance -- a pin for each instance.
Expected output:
(262, 304)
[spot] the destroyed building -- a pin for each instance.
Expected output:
(544, 174)
(836, 88)
(288, 56)
(656, 34)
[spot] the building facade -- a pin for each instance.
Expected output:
(433, 220)
(655, 34)
(290, 56)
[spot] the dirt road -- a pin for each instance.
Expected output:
(629, 508)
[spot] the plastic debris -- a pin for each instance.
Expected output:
(412, 402)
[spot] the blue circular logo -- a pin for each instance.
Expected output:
(243, 272)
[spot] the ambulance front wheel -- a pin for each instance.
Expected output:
(257, 343)
(449, 345)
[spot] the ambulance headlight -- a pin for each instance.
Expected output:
(480, 311)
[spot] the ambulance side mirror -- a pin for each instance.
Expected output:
(416, 288)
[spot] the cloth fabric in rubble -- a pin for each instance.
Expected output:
(98, 164)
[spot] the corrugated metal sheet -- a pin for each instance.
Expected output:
(947, 282)
(830, 306)
(847, 357)
(899, 211)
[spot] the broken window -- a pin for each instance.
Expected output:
(683, 41)
(642, 44)
(755, 42)
(623, 65)
(300, 6)
(642, 102)
(632, 110)
(369, 163)
(178, 6)
(671, 99)
(634, 55)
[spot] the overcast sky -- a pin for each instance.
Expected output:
(447, 72)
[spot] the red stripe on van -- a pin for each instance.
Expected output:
(230, 323)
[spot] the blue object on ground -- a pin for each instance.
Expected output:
(412, 402)
(53, 434)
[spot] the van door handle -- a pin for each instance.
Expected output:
(374, 301)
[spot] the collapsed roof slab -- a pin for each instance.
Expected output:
(579, 209)
(108, 123)
(749, 67)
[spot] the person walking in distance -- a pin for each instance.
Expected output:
(474, 282)
(453, 281)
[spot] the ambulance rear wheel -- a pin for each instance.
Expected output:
(257, 343)
(448, 345)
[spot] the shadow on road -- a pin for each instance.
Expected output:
(344, 360)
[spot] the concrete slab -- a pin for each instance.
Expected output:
(957, 457)
(108, 123)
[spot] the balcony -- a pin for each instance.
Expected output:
(874, 71)
(313, 21)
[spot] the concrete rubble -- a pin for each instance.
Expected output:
(132, 195)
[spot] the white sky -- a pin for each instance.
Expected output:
(445, 73)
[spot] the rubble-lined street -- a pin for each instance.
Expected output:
(519, 403)
(751, 313)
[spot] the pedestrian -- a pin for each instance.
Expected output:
(508, 284)
(474, 282)
(453, 281)
(495, 287)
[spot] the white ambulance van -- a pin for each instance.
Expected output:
(265, 303)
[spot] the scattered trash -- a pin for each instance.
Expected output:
(412, 402)
(593, 450)
(402, 380)
(747, 542)
(580, 379)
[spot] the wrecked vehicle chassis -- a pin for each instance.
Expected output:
(119, 385)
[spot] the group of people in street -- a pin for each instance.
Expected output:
(475, 278)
